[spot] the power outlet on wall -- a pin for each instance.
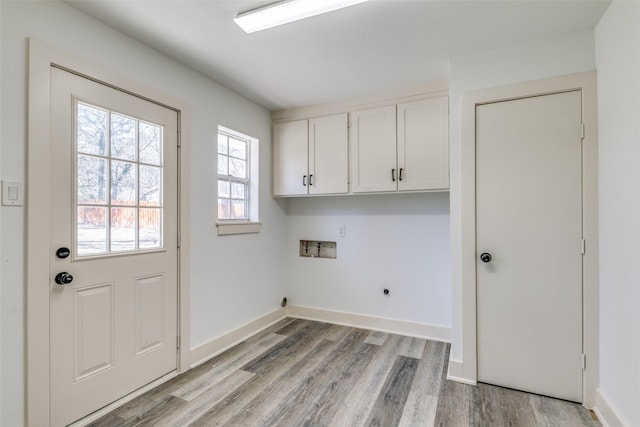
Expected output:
(341, 230)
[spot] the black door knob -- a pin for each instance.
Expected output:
(485, 257)
(63, 278)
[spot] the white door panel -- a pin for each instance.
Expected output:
(529, 218)
(114, 205)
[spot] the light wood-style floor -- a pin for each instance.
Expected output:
(305, 373)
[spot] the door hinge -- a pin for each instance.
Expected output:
(179, 239)
(584, 362)
(583, 246)
(178, 342)
(581, 131)
(348, 124)
(179, 139)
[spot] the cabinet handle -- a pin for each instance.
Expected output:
(310, 182)
(393, 175)
(304, 180)
(400, 175)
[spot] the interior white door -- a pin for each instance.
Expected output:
(529, 220)
(113, 315)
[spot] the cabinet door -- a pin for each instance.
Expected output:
(373, 150)
(328, 154)
(290, 154)
(423, 144)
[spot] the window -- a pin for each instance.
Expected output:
(237, 182)
(118, 180)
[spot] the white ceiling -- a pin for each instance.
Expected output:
(374, 47)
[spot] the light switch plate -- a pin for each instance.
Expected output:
(12, 193)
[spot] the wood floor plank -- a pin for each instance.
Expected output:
(376, 337)
(305, 398)
(226, 367)
(389, 406)
(422, 402)
(356, 407)
(293, 327)
(420, 410)
(500, 406)
(186, 414)
(457, 405)
(552, 412)
(156, 415)
(271, 329)
(337, 332)
(262, 396)
(274, 372)
(309, 332)
(412, 347)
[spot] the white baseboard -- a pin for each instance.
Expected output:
(454, 373)
(216, 346)
(606, 412)
(401, 327)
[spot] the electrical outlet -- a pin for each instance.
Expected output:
(341, 230)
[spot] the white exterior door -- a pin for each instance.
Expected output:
(529, 220)
(113, 316)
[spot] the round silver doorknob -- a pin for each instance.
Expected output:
(485, 257)
(63, 278)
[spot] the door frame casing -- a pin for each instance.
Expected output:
(467, 369)
(41, 59)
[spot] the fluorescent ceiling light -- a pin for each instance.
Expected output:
(287, 11)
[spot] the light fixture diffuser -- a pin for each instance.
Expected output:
(287, 11)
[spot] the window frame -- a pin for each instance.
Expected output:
(251, 224)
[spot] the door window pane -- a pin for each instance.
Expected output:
(123, 137)
(91, 230)
(149, 228)
(123, 183)
(92, 125)
(150, 144)
(123, 229)
(150, 185)
(92, 180)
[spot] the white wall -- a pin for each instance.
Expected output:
(618, 60)
(557, 56)
(224, 295)
(394, 241)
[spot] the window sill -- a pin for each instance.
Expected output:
(228, 228)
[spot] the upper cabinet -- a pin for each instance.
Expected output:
(310, 156)
(403, 147)
(380, 147)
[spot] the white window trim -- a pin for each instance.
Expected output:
(252, 225)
